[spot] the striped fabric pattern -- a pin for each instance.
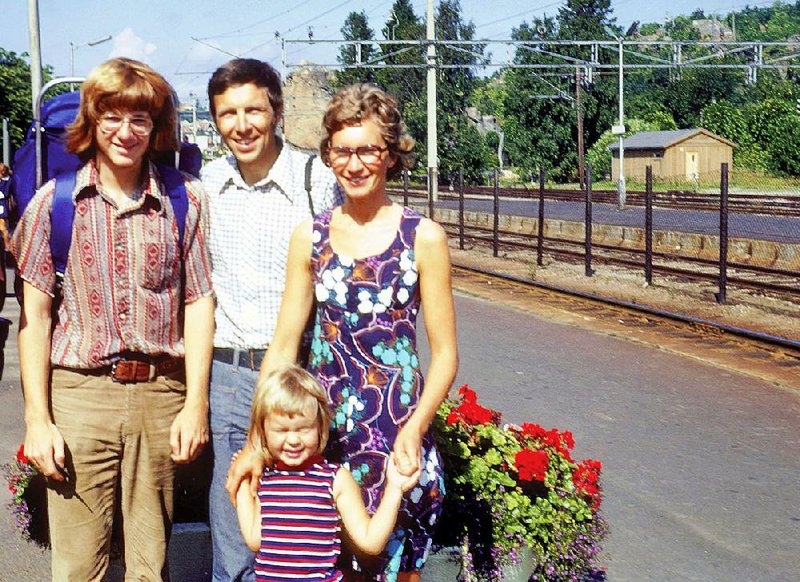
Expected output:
(122, 288)
(299, 525)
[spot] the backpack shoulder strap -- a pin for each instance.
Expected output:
(309, 165)
(176, 191)
(62, 216)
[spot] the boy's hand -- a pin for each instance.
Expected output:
(396, 479)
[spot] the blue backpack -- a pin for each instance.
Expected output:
(56, 114)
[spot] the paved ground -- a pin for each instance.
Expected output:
(700, 464)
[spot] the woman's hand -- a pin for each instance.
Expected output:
(394, 478)
(245, 464)
(408, 449)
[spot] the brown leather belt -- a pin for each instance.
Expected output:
(137, 368)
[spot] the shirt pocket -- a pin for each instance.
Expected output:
(158, 261)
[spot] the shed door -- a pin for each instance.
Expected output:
(692, 165)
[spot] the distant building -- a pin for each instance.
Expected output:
(681, 154)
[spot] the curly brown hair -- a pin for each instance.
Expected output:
(355, 103)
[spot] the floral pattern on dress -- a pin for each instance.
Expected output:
(364, 352)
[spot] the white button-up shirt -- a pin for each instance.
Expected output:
(250, 228)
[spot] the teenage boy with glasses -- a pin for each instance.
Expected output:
(116, 387)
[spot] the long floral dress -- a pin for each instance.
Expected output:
(364, 353)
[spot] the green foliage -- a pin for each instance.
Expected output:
(727, 120)
(489, 96)
(15, 97)
(15, 93)
(585, 19)
(768, 23)
(356, 28)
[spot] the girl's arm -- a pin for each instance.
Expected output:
(298, 299)
(370, 534)
(438, 309)
(248, 511)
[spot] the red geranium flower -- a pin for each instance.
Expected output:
(531, 464)
(21, 455)
(586, 477)
(469, 410)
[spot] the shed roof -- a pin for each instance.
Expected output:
(659, 140)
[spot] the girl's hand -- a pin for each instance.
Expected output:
(396, 479)
(408, 450)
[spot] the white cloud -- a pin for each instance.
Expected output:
(128, 44)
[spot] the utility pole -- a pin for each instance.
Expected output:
(6, 143)
(579, 106)
(433, 155)
(620, 130)
(36, 52)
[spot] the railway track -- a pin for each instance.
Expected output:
(779, 282)
(782, 204)
(773, 358)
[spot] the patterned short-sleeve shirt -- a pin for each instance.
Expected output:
(122, 288)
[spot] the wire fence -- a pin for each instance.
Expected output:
(737, 237)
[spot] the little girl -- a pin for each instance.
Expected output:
(293, 522)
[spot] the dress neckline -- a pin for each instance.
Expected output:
(379, 255)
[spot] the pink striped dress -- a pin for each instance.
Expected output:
(299, 523)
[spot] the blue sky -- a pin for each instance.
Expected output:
(160, 32)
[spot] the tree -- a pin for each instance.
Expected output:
(407, 84)
(463, 145)
(356, 28)
(540, 115)
(585, 20)
(15, 96)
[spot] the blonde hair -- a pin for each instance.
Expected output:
(365, 101)
(123, 83)
(287, 391)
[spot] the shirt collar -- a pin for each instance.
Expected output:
(281, 174)
(87, 177)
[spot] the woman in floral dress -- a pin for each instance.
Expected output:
(370, 264)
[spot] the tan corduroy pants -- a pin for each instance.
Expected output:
(117, 438)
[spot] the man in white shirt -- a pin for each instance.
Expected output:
(256, 196)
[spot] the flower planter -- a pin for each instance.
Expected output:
(515, 489)
(448, 564)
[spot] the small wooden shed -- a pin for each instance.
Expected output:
(680, 154)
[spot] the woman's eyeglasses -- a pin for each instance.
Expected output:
(140, 125)
(368, 154)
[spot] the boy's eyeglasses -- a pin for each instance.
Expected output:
(368, 154)
(140, 125)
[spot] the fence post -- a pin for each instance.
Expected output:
(723, 234)
(648, 226)
(540, 230)
(496, 226)
(405, 186)
(588, 223)
(461, 208)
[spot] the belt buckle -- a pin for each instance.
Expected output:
(132, 369)
(114, 371)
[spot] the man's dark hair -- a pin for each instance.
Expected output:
(242, 71)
